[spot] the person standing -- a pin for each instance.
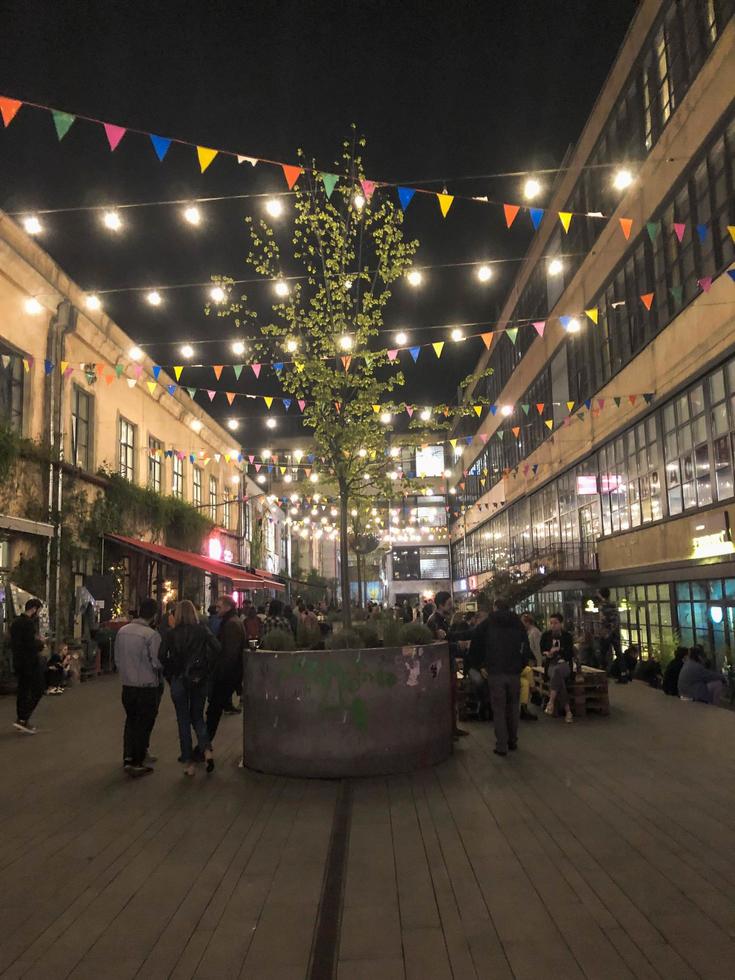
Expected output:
(227, 678)
(188, 656)
(136, 658)
(610, 636)
(507, 652)
(26, 646)
(439, 624)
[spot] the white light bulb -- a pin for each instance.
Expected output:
(345, 342)
(93, 302)
(261, 478)
(457, 335)
(234, 480)
(359, 201)
(314, 477)
(622, 180)
(192, 215)
(287, 478)
(111, 220)
(233, 425)
(555, 267)
(362, 453)
(297, 454)
(135, 354)
(425, 415)
(531, 189)
(270, 423)
(281, 288)
(274, 207)
(385, 418)
(187, 351)
(292, 345)
(447, 474)
(266, 454)
(154, 297)
(574, 326)
(401, 338)
(238, 348)
(217, 294)
(506, 410)
(32, 225)
(394, 451)
(32, 306)
(348, 284)
(393, 475)
(195, 425)
(414, 277)
(484, 273)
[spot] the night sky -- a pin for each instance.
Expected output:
(443, 92)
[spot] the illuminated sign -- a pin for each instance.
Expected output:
(711, 545)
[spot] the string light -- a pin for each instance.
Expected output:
(238, 348)
(394, 451)
(531, 189)
(622, 179)
(274, 207)
(348, 284)
(415, 278)
(574, 326)
(385, 418)
(93, 302)
(32, 306)
(287, 478)
(314, 477)
(270, 423)
(359, 201)
(135, 354)
(346, 342)
(111, 220)
(457, 335)
(261, 478)
(555, 267)
(425, 415)
(187, 351)
(217, 294)
(233, 425)
(362, 453)
(506, 410)
(484, 273)
(266, 454)
(32, 225)
(401, 338)
(196, 426)
(447, 474)
(292, 345)
(154, 297)
(192, 215)
(297, 454)
(281, 288)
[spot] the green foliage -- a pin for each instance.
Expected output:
(512, 587)
(390, 629)
(10, 445)
(30, 574)
(306, 638)
(345, 639)
(368, 633)
(314, 587)
(278, 639)
(415, 633)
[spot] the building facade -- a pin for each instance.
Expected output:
(608, 456)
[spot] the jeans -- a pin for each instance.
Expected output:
(189, 701)
(505, 698)
(141, 707)
(558, 675)
(29, 673)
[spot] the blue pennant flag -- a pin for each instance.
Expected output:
(588, 403)
(731, 274)
(270, 467)
(493, 409)
(48, 366)
(468, 440)
(565, 321)
(156, 371)
(278, 367)
(404, 196)
(310, 458)
(536, 216)
(702, 232)
(160, 145)
(192, 458)
(415, 351)
(170, 389)
(287, 403)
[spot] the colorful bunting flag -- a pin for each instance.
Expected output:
(114, 134)
(291, 173)
(652, 227)
(256, 369)
(540, 326)
(178, 368)
(626, 225)
(160, 145)
(445, 203)
(405, 194)
(512, 332)
(392, 355)
(230, 396)
(205, 155)
(705, 283)
(566, 218)
(237, 368)
(702, 231)
(8, 109)
(549, 423)
(368, 188)
(678, 293)
(415, 351)
(679, 228)
(217, 368)
(537, 215)
(268, 401)
(593, 314)
(151, 385)
(438, 347)
(647, 300)
(478, 410)
(511, 211)
(211, 394)
(487, 339)
(62, 123)
(330, 182)
(302, 404)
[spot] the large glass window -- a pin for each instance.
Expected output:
(213, 498)
(126, 458)
(155, 464)
(81, 428)
(177, 477)
(226, 510)
(11, 388)
(196, 486)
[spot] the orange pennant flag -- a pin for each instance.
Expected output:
(230, 396)
(109, 378)
(8, 109)
(539, 407)
(647, 300)
(178, 368)
(566, 219)
(445, 203)
(593, 314)
(205, 157)
(516, 430)
(99, 368)
(487, 339)
(438, 347)
(346, 361)
(511, 210)
(217, 368)
(291, 173)
(626, 224)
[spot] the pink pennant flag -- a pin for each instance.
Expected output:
(679, 229)
(368, 188)
(256, 369)
(211, 394)
(392, 355)
(540, 326)
(302, 404)
(601, 402)
(251, 459)
(114, 134)
(409, 410)
(705, 283)
(257, 467)
(138, 370)
(484, 436)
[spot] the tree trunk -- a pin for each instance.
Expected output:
(358, 562)
(344, 558)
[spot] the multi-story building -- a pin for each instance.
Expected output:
(97, 443)
(608, 458)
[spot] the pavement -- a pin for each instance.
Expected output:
(600, 850)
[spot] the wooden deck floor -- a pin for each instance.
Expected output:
(600, 850)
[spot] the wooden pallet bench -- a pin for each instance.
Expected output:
(587, 690)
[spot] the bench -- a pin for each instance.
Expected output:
(587, 690)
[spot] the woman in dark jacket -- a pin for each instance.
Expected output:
(188, 655)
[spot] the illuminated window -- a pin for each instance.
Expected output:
(177, 477)
(126, 458)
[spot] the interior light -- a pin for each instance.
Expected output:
(555, 267)
(414, 277)
(135, 354)
(457, 335)
(187, 351)
(484, 273)
(281, 288)
(154, 297)
(274, 207)
(217, 294)
(111, 220)
(346, 342)
(233, 425)
(195, 425)
(32, 225)
(623, 179)
(531, 189)
(32, 306)
(270, 423)
(93, 302)
(238, 348)
(192, 215)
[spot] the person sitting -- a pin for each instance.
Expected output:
(670, 683)
(697, 682)
(558, 672)
(557, 642)
(57, 670)
(649, 671)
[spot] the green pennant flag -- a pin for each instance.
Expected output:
(192, 392)
(237, 368)
(678, 293)
(652, 227)
(512, 333)
(62, 123)
(526, 408)
(617, 401)
(119, 370)
(580, 416)
(500, 433)
(330, 182)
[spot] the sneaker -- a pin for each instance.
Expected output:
(499, 752)
(568, 719)
(232, 709)
(137, 771)
(24, 726)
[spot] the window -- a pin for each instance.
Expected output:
(247, 517)
(196, 497)
(213, 498)
(688, 477)
(270, 533)
(126, 459)
(155, 464)
(226, 511)
(11, 387)
(430, 461)
(177, 477)
(81, 428)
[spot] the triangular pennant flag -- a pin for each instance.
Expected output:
(27, 361)
(131, 382)
(151, 386)
(230, 396)
(329, 181)
(549, 423)
(731, 229)
(487, 339)
(647, 300)
(540, 326)
(299, 366)
(48, 366)
(536, 216)
(100, 368)
(287, 403)
(588, 403)
(404, 196)
(512, 332)
(600, 403)
(257, 467)
(256, 369)
(156, 371)
(251, 160)
(268, 401)
(338, 406)
(191, 392)
(217, 368)
(211, 394)
(652, 227)
(8, 109)
(484, 437)
(301, 403)
(114, 134)
(171, 389)
(478, 410)
(62, 123)
(593, 314)
(493, 409)
(415, 351)
(534, 468)
(205, 155)
(705, 283)
(632, 398)
(346, 361)
(137, 369)
(565, 321)
(626, 225)
(392, 355)
(409, 410)
(565, 217)
(516, 430)
(540, 407)
(5, 358)
(438, 347)
(679, 229)
(453, 443)
(617, 401)
(570, 406)
(580, 416)
(63, 366)
(511, 210)
(500, 433)
(526, 409)
(178, 368)
(445, 203)
(160, 145)
(119, 370)
(648, 396)
(368, 188)
(702, 231)
(237, 368)
(277, 367)
(291, 173)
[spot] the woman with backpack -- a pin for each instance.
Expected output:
(188, 654)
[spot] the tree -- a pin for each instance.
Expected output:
(348, 247)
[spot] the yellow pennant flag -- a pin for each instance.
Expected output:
(478, 410)
(592, 314)
(376, 408)
(438, 347)
(282, 469)
(549, 423)
(570, 406)
(445, 203)
(63, 366)
(26, 365)
(178, 368)
(566, 219)
(453, 443)
(151, 386)
(731, 229)
(268, 399)
(205, 157)
(227, 457)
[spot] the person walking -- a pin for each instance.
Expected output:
(26, 646)
(136, 658)
(227, 677)
(507, 652)
(189, 655)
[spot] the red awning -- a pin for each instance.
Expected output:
(240, 578)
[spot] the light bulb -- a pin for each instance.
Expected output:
(274, 207)
(506, 410)
(111, 220)
(425, 415)
(32, 306)
(385, 418)
(187, 351)
(392, 475)
(32, 225)
(281, 288)
(154, 297)
(359, 201)
(270, 423)
(345, 342)
(261, 477)
(233, 425)
(287, 478)
(362, 453)
(135, 354)
(292, 345)
(531, 189)
(266, 454)
(401, 338)
(92, 302)
(192, 215)
(238, 348)
(622, 179)
(234, 480)
(484, 273)
(348, 284)
(414, 277)
(394, 451)
(297, 454)
(195, 425)
(574, 326)
(457, 335)
(555, 267)
(447, 474)
(314, 477)
(217, 294)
